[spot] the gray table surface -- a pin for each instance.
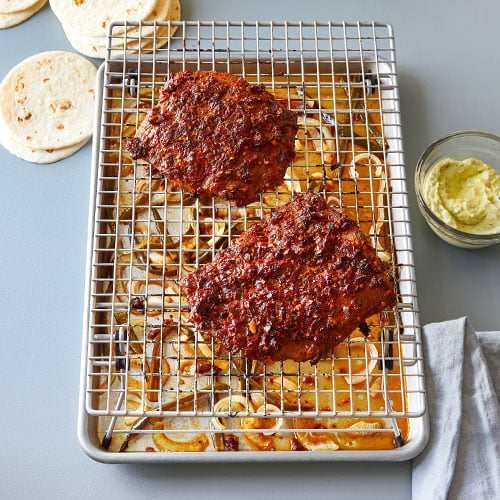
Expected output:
(449, 73)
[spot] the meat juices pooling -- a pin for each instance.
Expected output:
(291, 287)
(214, 134)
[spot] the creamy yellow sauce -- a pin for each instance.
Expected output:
(465, 195)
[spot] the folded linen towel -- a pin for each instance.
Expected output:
(462, 458)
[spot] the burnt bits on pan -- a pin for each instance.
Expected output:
(214, 134)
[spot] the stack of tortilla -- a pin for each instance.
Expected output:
(86, 24)
(47, 106)
(14, 12)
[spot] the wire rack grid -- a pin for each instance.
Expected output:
(142, 357)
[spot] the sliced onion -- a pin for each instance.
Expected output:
(122, 282)
(186, 366)
(138, 287)
(373, 232)
(133, 383)
(361, 425)
(316, 441)
(229, 404)
(308, 121)
(259, 442)
(170, 294)
(372, 159)
(173, 217)
(206, 352)
(375, 387)
(133, 405)
(323, 134)
(292, 185)
(257, 422)
(288, 384)
(358, 377)
(257, 399)
(187, 348)
(270, 408)
(104, 384)
(217, 231)
(203, 348)
(333, 200)
(160, 259)
(199, 442)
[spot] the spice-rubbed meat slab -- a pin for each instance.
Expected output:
(291, 287)
(215, 134)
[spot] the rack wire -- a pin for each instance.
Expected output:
(147, 371)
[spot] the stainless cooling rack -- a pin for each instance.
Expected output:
(141, 357)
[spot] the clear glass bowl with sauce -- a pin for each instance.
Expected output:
(458, 146)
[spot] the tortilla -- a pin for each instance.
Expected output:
(14, 18)
(99, 51)
(10, 6)
(92, 17)
(96, 47)
(47, 101)
(42, 156)
(161, 12)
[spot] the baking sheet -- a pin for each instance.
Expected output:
(413, 397)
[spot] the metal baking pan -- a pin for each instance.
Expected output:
(132, 352)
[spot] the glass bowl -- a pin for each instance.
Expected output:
(459, 146)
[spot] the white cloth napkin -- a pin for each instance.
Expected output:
(462, 459)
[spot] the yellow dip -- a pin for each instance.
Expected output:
(465, 195)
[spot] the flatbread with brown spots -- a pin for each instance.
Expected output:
(8, 19)
(95, 46)
(47, 101)
(92, 17)
(10, 6)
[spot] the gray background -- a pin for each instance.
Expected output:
(449, 77)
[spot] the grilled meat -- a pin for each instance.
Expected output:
(214, 134)
(291, 287)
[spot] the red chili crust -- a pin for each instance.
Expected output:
(214, 134)
(293, 286)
